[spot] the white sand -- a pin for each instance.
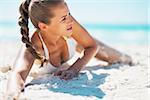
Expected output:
(117, 82)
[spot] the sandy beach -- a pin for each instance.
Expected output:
(115, 82)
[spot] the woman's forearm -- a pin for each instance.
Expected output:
(89, 53)
(14, 86)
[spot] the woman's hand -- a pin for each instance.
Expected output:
(66, 74)
(14, 86)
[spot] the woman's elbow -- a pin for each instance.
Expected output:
(96, 48)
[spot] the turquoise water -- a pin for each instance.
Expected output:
(116, 34)
(109, 33)
(120, 34)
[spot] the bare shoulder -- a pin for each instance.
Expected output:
(36, 42)
(81, 35)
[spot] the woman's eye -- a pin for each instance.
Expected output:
(64, 19)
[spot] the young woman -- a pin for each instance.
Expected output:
(53, 43)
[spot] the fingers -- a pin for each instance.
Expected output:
(16, 97)
(66, 75)
(58, 73)
(12, 96)
(63, 75)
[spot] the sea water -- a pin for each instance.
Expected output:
(110, 33)
(116, 34)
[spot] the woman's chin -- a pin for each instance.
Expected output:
(69, 33)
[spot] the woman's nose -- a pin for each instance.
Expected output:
(70, 20)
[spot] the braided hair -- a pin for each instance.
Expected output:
(37, 11)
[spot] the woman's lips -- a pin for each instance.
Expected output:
(69, 32)
(70, 28)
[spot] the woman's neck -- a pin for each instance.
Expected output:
(49, 39)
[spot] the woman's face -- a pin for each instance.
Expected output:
(61, 23)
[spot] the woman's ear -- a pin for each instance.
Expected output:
(42, 26)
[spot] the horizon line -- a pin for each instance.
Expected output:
(92, 25)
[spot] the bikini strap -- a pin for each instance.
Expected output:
(46, 52)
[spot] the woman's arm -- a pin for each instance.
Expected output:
(87, 42)
(22, 66)
(105, 52)
(90, 49)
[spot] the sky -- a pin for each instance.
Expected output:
(91, 11)
(110, 11)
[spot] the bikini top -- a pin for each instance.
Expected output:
(71, 43)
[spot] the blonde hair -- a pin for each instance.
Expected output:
(37, 11)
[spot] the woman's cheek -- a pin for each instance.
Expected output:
(63, 30)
